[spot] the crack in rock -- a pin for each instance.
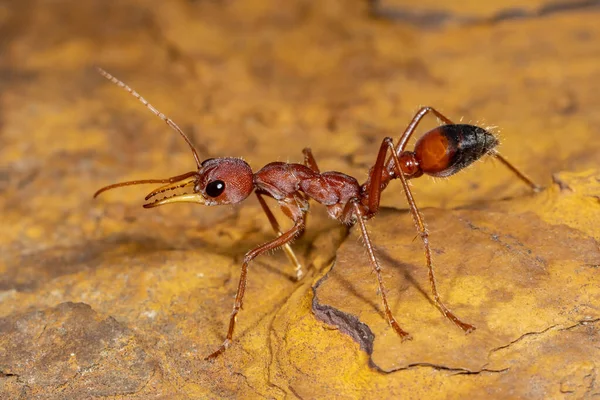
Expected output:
(459, 371)
(520, 338)
(528, 334)
(346, 323)
(581, 323)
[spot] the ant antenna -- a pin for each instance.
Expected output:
(154, 111)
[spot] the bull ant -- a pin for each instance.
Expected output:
(441, 152)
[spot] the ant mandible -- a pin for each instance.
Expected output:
(441, 152)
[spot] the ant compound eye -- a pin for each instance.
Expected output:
(215, 188)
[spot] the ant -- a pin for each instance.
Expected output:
(441, 152)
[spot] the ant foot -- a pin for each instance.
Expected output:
(299, 273)
(402, 333)
(467, 328)
(219, 351)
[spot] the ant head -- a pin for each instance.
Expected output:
(218, 181)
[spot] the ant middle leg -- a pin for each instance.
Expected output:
(360, 216)
(285, 238)
(309, 160)
(289, 252)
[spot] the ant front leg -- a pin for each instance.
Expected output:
(251, 255)
(286, 247)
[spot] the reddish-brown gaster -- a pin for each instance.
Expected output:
(435, 152)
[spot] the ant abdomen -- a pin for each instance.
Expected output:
(447, 149)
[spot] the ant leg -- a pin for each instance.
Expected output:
(309, 160)
(420, 225)
(251, 255)
(286, 247)
(374, 184)
(377, 268)
(535, 187)
(410, 129)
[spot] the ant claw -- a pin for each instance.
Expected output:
(212, 357)
(401, 332)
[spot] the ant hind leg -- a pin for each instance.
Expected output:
(535, 187)
(410, 130)
(422, 231)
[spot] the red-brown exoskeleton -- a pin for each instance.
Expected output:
(440, 152)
